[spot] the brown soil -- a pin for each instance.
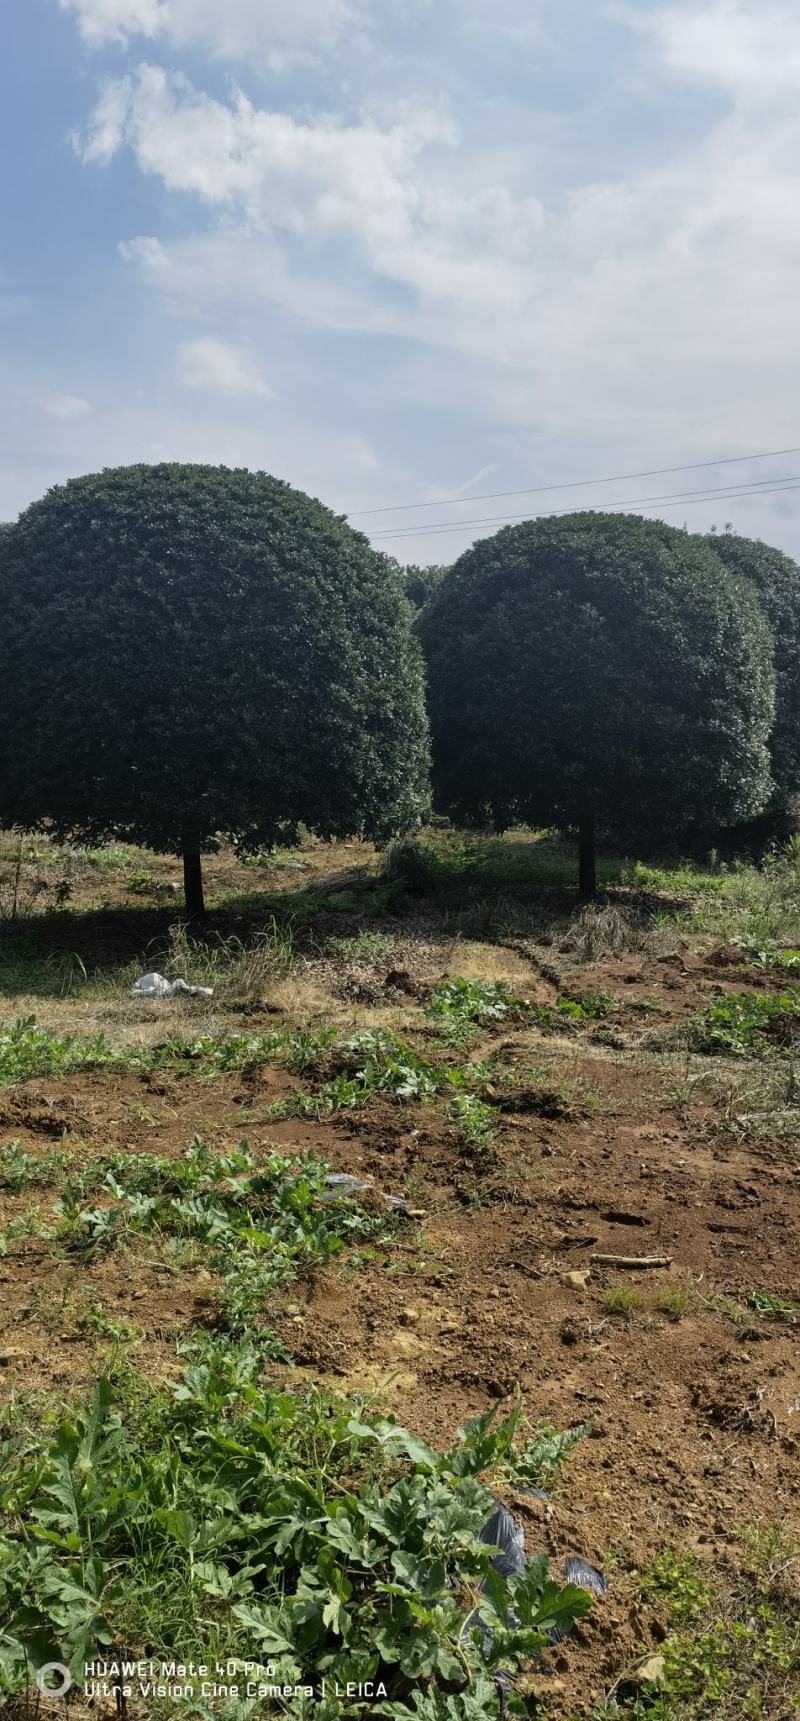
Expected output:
(694, 1422)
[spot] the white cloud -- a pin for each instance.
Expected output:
(146, 251)
(749, 48)
(66, 406)
(326, 181)
(271, 32)
(644, 312)
(660, 303)
(115, 20)
(446, 492)
(220, 368)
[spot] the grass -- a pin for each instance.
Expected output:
(605, 930)
(740, 898)
(732, 1650)
(450, 864)
(240, 972)
(114, 856)
(621, 1300)
(365, 946)
(677, 1301)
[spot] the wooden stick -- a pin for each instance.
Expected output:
(631, 1260)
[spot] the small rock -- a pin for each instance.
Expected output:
(578, 1279)
(9, 1355)
(540, 1685)
(651, 1671)
(409, 1316)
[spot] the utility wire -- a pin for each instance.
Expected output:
(573, 484)
(671, 499)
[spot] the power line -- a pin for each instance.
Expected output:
(671, 499)
(573, 484)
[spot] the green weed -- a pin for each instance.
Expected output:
(586, 1006)
(774, 1308)
(114, 857)
(458, 1006)
(224, 1520)
(21, 1170)
(540, 1461)
(766, 953)
(748, 1023)
(25, 1225)
(733, 1655)
(475, 1120)
(377, 1062)
(264, 1222)
(26, 1051)
(676, 1579)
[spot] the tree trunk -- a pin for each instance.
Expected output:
(587, 868)
(193, 882)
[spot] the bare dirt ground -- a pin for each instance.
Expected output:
(623, 1144)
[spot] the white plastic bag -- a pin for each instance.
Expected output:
(155, 986)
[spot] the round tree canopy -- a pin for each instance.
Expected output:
(598, 665)
(777, 581)
(189, 651)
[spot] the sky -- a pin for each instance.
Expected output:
(408, 256)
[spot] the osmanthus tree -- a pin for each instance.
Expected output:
(598, 667)
(422, 583)
(776, 579)
(190, 652)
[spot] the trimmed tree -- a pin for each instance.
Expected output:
(421, 584)
(598, 667)
(190, 652)
(776, 579)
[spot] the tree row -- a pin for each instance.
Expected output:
(191, 653)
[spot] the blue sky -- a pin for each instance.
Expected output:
(401, 253)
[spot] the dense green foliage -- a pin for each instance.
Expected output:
(220, 1519)
(190, 651)
(777, 581)
(421, 584)
(598, 666)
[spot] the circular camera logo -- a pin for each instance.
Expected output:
(54, 1679)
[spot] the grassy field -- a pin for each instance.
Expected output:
(253, 1419)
